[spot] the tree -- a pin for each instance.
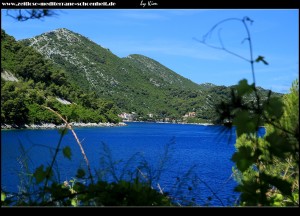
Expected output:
(266, 167)
(13, 104)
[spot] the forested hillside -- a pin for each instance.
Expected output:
(87, 83)
(29, 81)
(135, 83)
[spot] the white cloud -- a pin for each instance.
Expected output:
(166, 47)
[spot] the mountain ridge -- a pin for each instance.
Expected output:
(135, 83)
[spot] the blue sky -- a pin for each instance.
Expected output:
(167, 36)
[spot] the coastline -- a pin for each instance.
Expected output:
(53, 126)
(89, 124)
(160, 122)
(185, 123)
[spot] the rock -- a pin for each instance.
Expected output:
(52, 126)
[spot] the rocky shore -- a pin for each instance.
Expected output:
(53, 126)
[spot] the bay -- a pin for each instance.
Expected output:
(197, 167)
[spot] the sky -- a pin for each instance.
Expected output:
(167, 36)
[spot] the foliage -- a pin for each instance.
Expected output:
(267, 168)
(13, 107)
(41, 83)
(23, 15)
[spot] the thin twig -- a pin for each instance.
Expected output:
(143, 175)
(160, 189)
(222, 48)
(212, 191)
(76, 138)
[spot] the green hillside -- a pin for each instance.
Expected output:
(135, 83)
(29, 81)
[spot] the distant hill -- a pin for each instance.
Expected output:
(135, 83)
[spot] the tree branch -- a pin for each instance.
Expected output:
(76, 138)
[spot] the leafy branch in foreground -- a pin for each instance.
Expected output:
(267, 167)
(24, 15)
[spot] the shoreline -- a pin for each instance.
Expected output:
(89, 124)
(184, 123)
(53, 126)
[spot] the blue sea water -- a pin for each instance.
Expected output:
(198, 165)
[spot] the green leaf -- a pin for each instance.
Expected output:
(277, 203)
(243, 87)
(39, 174)
(73, 202)
(274, 107)
(67, 152)
(3, 196)
(295, 196)
(80, 173)
(261, 58)
(244, 123)
(278, 197)
(243, 158)
(279, 144)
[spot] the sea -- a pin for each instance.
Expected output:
(190, 163)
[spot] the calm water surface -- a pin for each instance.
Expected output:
(198, 161)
